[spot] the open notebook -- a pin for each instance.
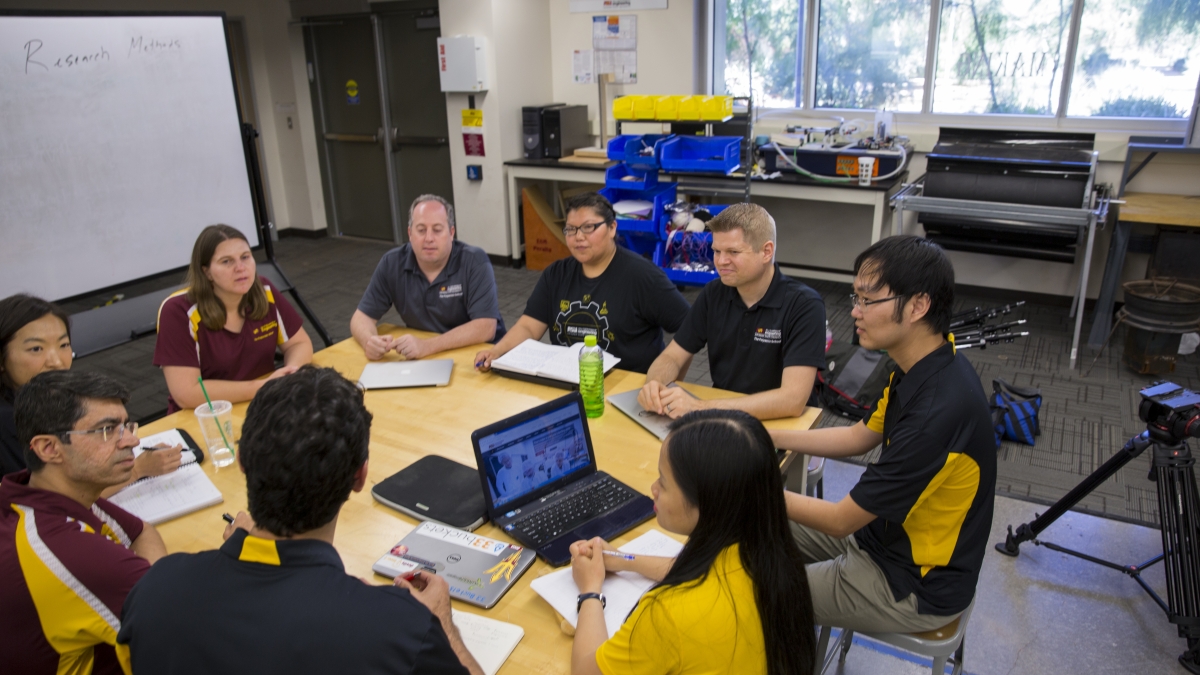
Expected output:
(539, 359)
(489, 641)
(622, 589)
(162, 498)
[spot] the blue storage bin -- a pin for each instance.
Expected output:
(614, 177)
(708, 154)
(685, 277)
(628, 148)
(660, 195)
(666, 217)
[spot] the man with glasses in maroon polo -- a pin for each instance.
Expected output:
(67, 556)
(603, 289)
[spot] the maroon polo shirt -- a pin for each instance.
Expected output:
(64, 573)
(183, 340)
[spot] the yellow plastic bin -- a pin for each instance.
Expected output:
(689, 107)
(643, 107)
(622, 107)
(716, 108)
(666, 108)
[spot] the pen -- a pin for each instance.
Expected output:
(228, 518)
(480, 363)
(618, 554)
(152, 448)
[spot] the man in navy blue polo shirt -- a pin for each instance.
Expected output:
(436, 283)
(765, 332)
(902, 552)
(275, 597)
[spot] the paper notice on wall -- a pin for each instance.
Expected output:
(472, 117)
(582, 66)
(622, 65)
(614, 33)
(578, 6)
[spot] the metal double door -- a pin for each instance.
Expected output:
(381, 117)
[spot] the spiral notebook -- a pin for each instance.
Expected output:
(162, 498)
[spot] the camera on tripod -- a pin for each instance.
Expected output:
(1170, 410)
(1171, 414)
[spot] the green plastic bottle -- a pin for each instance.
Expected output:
(591, 377)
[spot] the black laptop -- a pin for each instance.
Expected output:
(541, 484)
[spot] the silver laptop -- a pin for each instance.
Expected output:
(397, 374)
(656, 424)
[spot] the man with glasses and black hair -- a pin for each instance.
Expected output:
(436, 283)
(902, 552)
(275, 598)
(603, 289)
(68, 557)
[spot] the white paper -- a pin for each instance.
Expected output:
(622, 590)
(627, 207)
(538, 358)
(162, 498)
(167, 439)
(621, 64)
(582, 66)
(613, 33)
(488, 640)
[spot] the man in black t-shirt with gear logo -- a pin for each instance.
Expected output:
(603, 289)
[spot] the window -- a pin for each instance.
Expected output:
(871, 54)
(1001, 56)
(1135, 59)
(1116, 58)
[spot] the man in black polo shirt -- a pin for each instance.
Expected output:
(919, 516)
(765, 332)
(436, 283)
(275, 598)
(603, 289)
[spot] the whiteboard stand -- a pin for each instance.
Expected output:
(271, 267)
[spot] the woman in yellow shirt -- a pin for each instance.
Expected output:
(736, 599)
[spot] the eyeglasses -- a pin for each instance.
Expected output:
(115, 431)
(586, 229)
(862, 303)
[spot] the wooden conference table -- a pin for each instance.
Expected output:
(411, 423)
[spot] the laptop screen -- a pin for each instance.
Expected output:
(522, 458)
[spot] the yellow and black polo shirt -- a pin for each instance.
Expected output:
(933, 487)
(264, 606)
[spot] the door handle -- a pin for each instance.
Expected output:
(398, 140)
(352, 138)
(355, 138)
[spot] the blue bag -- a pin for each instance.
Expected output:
(1015, 412)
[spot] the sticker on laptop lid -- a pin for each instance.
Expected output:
(461, 538)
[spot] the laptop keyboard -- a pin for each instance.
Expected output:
(565, 515)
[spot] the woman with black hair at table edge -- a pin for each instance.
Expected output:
(35, 337)
(736, 599)
(225, 326)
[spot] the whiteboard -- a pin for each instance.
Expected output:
(120, 140)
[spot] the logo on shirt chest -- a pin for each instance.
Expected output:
(578, 320)
(267, 330)
(770, 336)
(450, 291)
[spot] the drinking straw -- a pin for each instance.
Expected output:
(220, 428)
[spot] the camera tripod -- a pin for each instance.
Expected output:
(1179, 515)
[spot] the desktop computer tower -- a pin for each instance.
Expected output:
(564, 128)
(531, 129)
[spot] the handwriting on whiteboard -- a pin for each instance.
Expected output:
(36, 57)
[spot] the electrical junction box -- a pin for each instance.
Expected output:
(462, 63)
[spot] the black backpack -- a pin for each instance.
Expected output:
(853, 380)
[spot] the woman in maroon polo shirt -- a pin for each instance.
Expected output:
(226, 326)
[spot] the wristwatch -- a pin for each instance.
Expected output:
(589, 596)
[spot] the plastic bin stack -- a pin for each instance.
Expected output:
(636, 178)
